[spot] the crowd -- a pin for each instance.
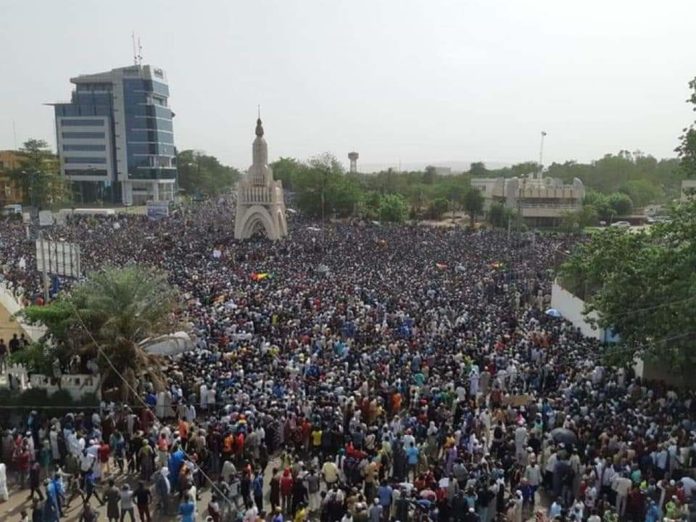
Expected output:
(376, 373)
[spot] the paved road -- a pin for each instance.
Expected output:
(10, 511)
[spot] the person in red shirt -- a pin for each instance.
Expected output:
(23, 463)
(239, 447)
(286, 487)
(104, 453)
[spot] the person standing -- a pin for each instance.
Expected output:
(3, 356)
(112, 496)
(275, 490)
(286, 487)
(313, 488)
(35, 481)
(187, 510)
(143, 498)
(257, 489)
(127, 503)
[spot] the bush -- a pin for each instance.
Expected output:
(437, 208)
(35, 358)
(393, 208)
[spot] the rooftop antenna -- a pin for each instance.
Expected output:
(258, 107)
(14, 134)
(135, 52)
(140, 52)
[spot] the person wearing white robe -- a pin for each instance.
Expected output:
(204, 397)
(4, 494)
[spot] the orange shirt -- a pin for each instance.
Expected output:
(183, 429)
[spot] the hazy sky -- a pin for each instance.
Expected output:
(409, 80)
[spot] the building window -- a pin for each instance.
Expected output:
(84, 135)
(84, 161)
(84, 147)
(88, 172)
(82, 123)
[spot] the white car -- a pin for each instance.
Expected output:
(621, 224)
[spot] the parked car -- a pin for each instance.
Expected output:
(11, 209)
(621, 224)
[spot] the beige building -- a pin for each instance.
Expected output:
(10, 191)
(688, 188)
(542, 202)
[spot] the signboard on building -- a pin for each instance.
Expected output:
(58, 258)
(157, 209)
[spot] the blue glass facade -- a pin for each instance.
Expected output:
(130, 137)
(149, 130)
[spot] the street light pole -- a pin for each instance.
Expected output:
(541, 154)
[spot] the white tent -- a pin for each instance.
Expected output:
(172, 344)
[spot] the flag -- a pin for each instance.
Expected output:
(259, 276)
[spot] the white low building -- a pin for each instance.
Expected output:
(542, 202)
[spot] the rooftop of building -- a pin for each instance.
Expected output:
(131, 71)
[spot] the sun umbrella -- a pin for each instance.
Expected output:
(564, 435)
(552, 312)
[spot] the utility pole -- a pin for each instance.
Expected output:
(541, 154)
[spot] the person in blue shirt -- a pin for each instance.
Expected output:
(187, 510)
(257, 488)
(412, 453)
(653, 513)
(385, 494)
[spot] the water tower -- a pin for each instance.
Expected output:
(353, 157)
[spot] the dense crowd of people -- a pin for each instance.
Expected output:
(374, 373)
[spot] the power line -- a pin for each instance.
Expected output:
(140, 399)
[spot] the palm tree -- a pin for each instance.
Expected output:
(107, 316)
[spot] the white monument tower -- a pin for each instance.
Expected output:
(260, 203)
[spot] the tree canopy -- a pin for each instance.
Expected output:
(686, 150)
(203, 175)
(106, 316)
(643, 285)
(38, 175)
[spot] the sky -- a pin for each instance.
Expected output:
(410, 81)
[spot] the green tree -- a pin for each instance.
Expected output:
(322, 188)
(497, 215)
(686, 151)
(600, 203)
(393, 208)
(620, 203)
(642, 192)
(203, 175)
(38, 176)
(575, 222)
(107, 316)
(643, 286)
(286, 170)
(478, 170)
(473, 204)
(437, 208)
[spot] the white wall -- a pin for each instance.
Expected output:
(12, 306)
(571, 308)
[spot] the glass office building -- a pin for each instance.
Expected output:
(115, 137)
